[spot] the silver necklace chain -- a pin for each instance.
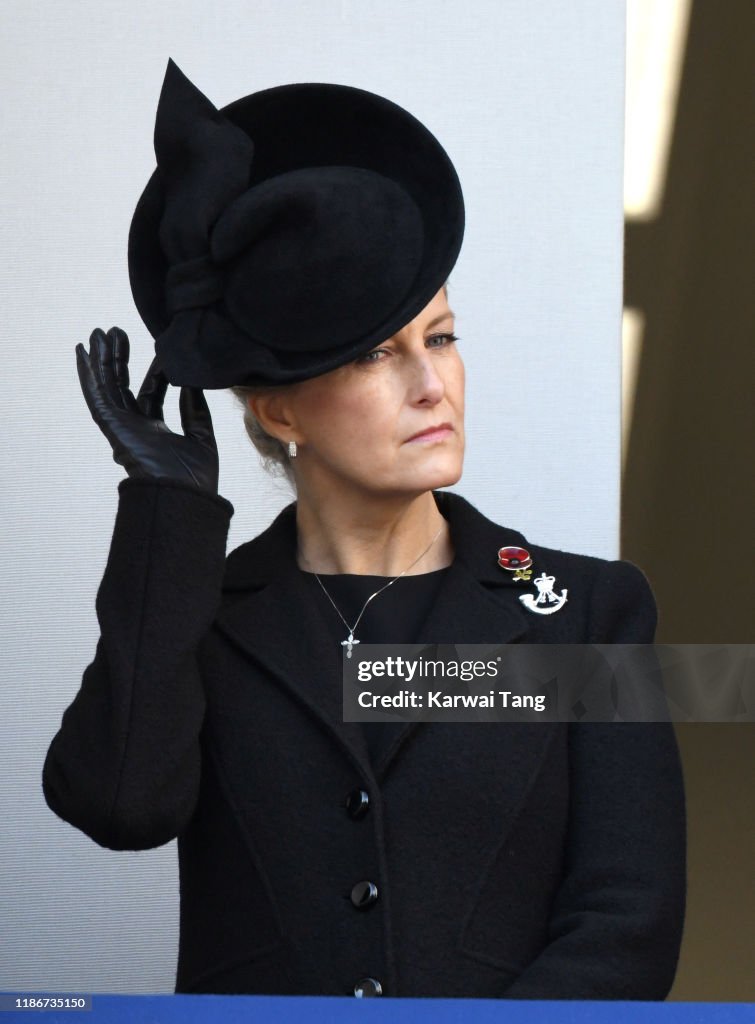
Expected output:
(350, 641)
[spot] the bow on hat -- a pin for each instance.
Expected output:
(204, 163)
(284, 248)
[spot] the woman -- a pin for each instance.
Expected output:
(319, 856)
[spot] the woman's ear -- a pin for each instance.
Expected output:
(274, 414)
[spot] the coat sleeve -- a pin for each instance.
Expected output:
(616, 921)
(124, 766)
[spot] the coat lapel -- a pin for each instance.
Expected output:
(269, 611)
(478, 602)
(272, 615)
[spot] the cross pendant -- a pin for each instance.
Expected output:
(349, 643)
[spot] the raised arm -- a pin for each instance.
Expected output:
(124, 766)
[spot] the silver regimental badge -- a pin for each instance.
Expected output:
(546, 602)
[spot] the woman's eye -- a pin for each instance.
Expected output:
(441, 339)
(373, 356)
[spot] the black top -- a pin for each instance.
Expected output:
(395, 616)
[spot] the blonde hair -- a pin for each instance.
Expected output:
(273, 453)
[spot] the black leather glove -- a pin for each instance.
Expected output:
(135, 428)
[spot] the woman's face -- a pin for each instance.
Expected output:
(390, 422)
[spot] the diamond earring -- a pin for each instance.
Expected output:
(292, 449)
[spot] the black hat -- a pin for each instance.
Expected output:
(287, 233)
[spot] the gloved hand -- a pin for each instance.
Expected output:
(135, 428)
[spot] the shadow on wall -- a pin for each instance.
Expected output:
(689, 484)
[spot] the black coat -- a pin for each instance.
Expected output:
(527, 860)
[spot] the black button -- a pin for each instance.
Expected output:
(357, 803)
(364, 894)
(368, 987)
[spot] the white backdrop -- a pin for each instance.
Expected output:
(528, 101)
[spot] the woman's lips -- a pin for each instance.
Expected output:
(439, 433)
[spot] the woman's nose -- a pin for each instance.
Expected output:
(428, 386)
